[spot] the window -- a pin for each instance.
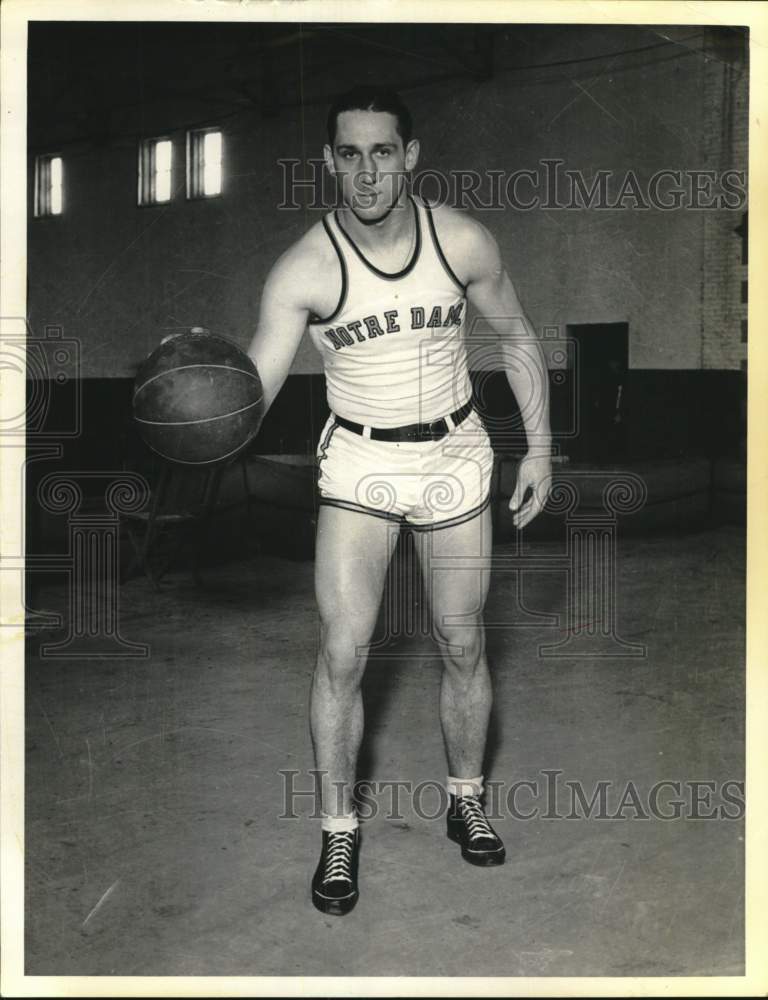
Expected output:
(155, 165)
(203, 163)
(49, 185)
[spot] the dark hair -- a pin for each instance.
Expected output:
(369, 98)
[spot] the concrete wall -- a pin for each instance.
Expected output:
(118, 276)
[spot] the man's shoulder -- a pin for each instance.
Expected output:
(311, 249)
(307, 262)
(461, 233)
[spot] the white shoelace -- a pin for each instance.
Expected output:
(474, 817)
(339, 858)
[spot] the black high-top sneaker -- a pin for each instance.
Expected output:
(469, 826)
(334, 886)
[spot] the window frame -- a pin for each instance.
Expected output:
(195, 143)
(42, 206)
(146, 173)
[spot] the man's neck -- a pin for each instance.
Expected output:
(394, 227)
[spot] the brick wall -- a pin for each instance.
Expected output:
(724, 275)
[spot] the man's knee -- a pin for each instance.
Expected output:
(461, 644)
(343, 652)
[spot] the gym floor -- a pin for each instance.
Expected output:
(153, 842)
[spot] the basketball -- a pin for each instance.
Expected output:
(198, 399)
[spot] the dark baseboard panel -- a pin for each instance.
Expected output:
(665, 414)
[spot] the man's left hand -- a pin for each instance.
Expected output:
(534, 471)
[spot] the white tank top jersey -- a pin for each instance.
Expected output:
(393, 349)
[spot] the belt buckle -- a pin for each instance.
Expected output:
(436, 433)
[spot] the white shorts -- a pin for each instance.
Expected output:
(425, 484)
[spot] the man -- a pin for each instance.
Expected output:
(382, 284)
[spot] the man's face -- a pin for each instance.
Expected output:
(370, 162)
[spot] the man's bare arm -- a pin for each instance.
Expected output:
(283, 317)
(492, 293)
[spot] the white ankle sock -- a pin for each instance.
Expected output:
(464, 786)
(339, 824)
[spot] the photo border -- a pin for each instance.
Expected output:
(14, 18)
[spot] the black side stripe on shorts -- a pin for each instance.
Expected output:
(325, 443)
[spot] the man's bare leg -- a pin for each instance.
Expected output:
(352, 555)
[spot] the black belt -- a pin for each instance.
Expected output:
(431, 431)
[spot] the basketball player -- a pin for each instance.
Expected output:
(382, 284)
